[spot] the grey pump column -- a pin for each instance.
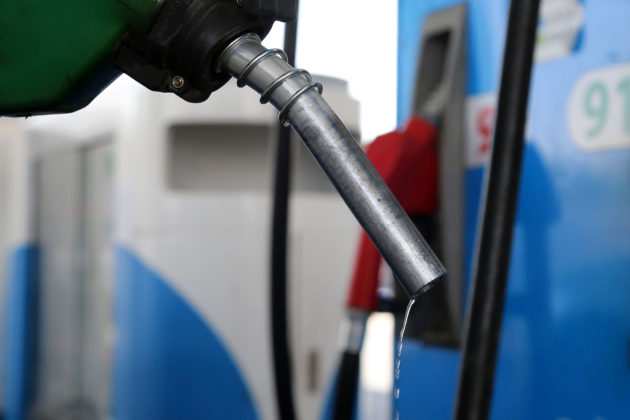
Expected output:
(301, 105)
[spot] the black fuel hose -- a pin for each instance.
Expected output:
(347, 386)
(282, 365)
(486, 299)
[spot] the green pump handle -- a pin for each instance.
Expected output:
(58, 55)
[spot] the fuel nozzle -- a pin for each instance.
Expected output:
(298, 97)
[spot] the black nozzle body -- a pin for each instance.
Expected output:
(187, 37)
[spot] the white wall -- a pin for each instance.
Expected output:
(357, 41)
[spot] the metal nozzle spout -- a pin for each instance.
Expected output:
(298, 98)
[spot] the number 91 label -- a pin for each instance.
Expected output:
(599, 109)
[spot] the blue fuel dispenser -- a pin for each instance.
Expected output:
(564, 346)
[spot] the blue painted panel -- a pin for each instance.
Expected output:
(565, 339)
(20, 330)
(169, 364)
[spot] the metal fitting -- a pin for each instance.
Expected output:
(177, 82)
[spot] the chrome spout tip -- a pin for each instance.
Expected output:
(419, 291)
